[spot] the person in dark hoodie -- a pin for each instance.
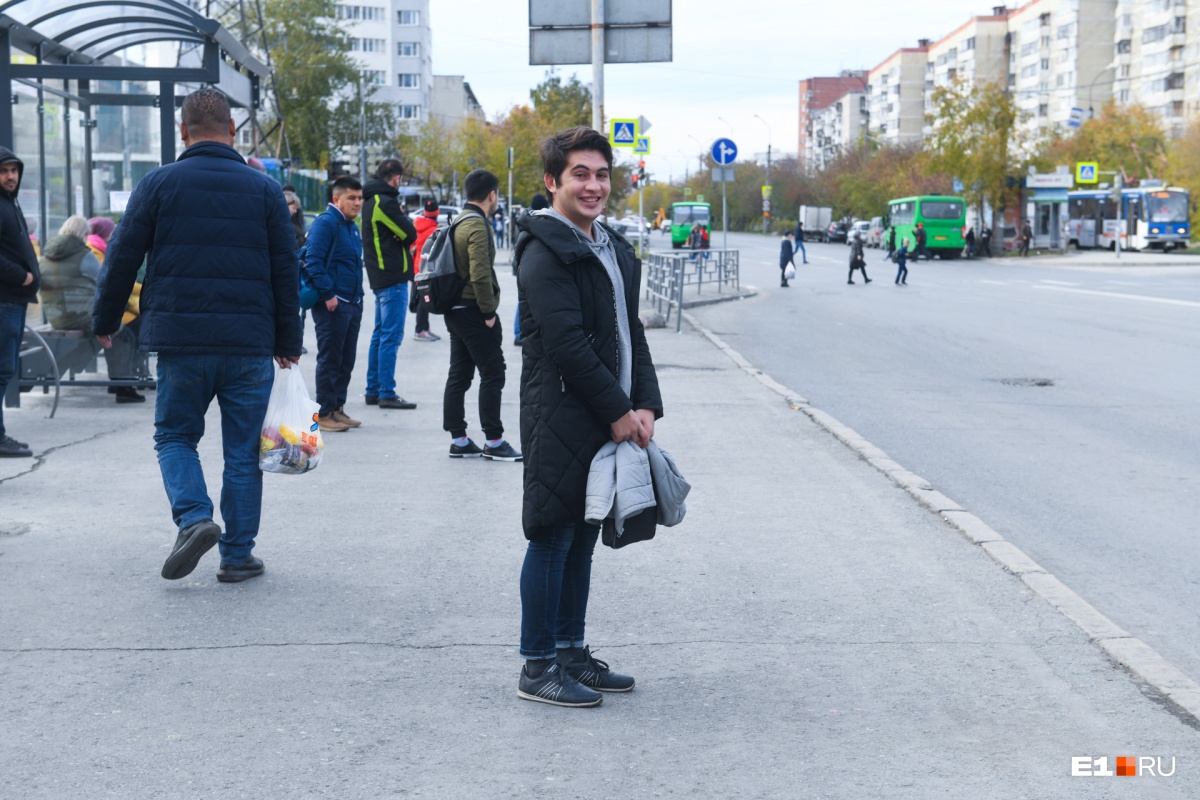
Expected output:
(388, 234)
(220, 298)
(586, 379)
(19, 284)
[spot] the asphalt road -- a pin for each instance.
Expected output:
(1056, 401)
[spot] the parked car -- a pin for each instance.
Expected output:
(634, 224)
(836, 232)
(446, 214)
(875, 232)
(858, 229)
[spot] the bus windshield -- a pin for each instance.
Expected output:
(941, 209)
(1167, 207)
(689, 215)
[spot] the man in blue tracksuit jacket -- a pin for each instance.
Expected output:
(220, 298)
(334, 264)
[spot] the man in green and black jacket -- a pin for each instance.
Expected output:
(387, 235)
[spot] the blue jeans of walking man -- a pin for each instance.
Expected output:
(391, 308)
(187, 385)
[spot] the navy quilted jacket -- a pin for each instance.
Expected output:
(222, 274)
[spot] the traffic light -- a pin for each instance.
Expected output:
(642, 172)
(635, 178)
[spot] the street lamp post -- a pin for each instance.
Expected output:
(767, 200)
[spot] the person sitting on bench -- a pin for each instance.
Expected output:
(69, 275)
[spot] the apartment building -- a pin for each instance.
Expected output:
(1150, 53)
(976, 52)
(452, 102)
(391, 41)
(896, 96)
(836, 128)
(817, 95)
(1061, 58)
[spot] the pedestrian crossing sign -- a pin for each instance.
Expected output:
(642, 146)
(1087, 172)
(622, 132)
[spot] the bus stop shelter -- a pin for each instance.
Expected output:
(63, 49)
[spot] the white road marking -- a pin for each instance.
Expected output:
(1059, 283)
(1122, 296)
(993, 283)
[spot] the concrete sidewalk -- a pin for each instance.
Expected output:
(810, 630)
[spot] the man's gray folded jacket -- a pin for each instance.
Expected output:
(625, 480)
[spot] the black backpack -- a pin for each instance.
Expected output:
(438, 284)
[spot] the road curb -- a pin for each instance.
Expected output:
(1124, 650)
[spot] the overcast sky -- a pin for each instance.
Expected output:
(731, 60)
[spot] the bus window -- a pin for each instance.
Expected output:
(690, 215)
(1167, 207)
(1110, 208)
(941, 209)
(903, 213)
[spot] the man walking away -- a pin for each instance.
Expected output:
(389, 272)
(1026, 237)
(798, 236)
(902, 264)
(334, 264)
(920, 235)
(221, 297)
(587, 379)
(985, 241)
(475, 330)
(19, 284)
(425, 224)
(857, 259)
(785, 257)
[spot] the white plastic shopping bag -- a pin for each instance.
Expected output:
(789, 272)
(291, 441)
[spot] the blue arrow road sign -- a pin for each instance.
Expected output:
(724, 151)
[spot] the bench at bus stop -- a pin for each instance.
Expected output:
(55, 359)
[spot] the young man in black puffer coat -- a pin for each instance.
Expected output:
(587, 377)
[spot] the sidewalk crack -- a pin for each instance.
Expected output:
(40, 459)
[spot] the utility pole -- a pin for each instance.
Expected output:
(766, 195)
(362, 129)
(598, 65)
(508, 227)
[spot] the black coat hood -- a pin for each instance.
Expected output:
(8, 156)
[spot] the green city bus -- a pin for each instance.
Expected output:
(944, 217)
(686, 215)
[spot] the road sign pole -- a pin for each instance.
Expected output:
(641, 219)
(598, 65)
(508, 227)
(724, 214)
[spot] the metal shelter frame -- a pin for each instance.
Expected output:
(72, 40)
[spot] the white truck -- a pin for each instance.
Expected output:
(816, 221)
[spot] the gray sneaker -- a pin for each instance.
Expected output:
(11, 448)
(193, 542)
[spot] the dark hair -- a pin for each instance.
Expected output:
(479, 184)
(206, 112)
(556, 149)
(538, 202)
(345, 184)
(389, 169)
(287, 187)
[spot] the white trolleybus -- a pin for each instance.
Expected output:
(1153, 217)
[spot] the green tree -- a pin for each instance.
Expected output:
(310, 54)
(1109, 138)
(978, 138)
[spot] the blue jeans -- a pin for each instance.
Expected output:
(555, 580)
(391, 306)
(186, 386)
(803, 252)
(517, 323)
(337, 345)
(12, 330)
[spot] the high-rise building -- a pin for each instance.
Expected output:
(392, 43)
(452, 102)
(816, 95)
(896, 90)
(974, 52)
(1150, 46)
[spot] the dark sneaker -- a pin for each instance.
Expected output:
(556, 687)
(468, 450)
(427, 336)
(504, 452)
(371, 400)
(193, 542)
(395, 402)
(127, 394)
(595, 674)
(11, 448)
(235, 573)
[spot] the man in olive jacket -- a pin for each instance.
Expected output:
(475, 333)
(587, 378)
